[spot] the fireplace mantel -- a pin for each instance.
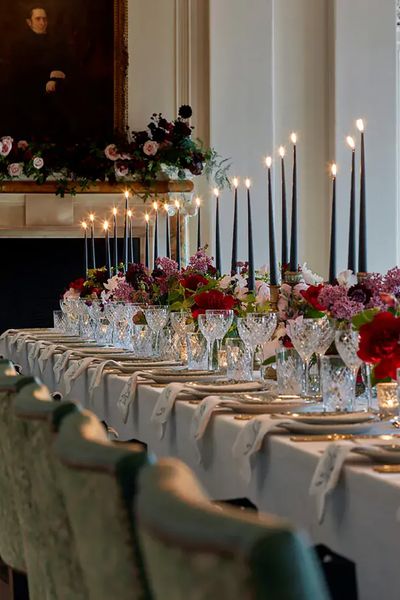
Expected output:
(101, 187)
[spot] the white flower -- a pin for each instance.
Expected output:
(15, 169)
(113, 283)
(309, 277)
(263, 270)
(38, 162)
(111, 152)
(150, 148)
(225, 282)
(121, 170)
(241, 281)
(6, 143)
(71, 294)
(241, 293)
(262, 292)
(346, 279)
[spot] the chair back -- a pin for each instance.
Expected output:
(99, 483)
(195, 549)
(50, 546)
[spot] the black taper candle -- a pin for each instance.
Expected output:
(167, 234)
(332, 254)
(217, 234)
(251, 276)
(126, 231)
(351, 256)
(115, 240)
(178, 233)
(130, 259)
(86, 249)
(284, 253)
(198, 203)
(362, 233)
(293, 237)
(147, 243)
(91, 218)
(235, 226)
(155, 206)
(273, 267)
(107, 247)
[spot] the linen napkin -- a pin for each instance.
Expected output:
(11, 338)
(98, 375)
(46, 353)
(200, 421)
(75, 370)
(327, 473)
(34, 352)
(165, 405)
(61, 363)
(128, 395)
(249, 441)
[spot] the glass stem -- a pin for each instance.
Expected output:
(355, 371)
(210, 354)
(306, 376)
(157, 343)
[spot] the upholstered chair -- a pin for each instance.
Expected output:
(194, 549)
(99, 483)
(54, 572)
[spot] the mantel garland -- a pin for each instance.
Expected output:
(164, 147)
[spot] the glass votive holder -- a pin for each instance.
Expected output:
(142, 341)
(337, 383)
(196, 347)
(388, 400)
(238, 360)
(289, 371)
(59, 321)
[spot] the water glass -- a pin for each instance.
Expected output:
(338, 384)
(388, 401)
(214, 325)
(304, 334)
(289, 371)
(256, 329)
(71, 313)
(156, 318)
(196, 351)
(238, 359)
(142, 341)
(59, 322)
(104, 330)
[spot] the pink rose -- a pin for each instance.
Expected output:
(121, 170)
(38, 162)
(150, 148)
(6, 143)
(22, 145)
(111, 152)
(15, 169)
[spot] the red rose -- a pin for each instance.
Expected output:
(212, 300)
(379, 344)
(77, 284)
(311, 295)
(193, 281)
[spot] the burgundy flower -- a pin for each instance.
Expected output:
(185, 111)
(212, 299)
(359, 293)
(192, 281)
(379, 344)
(311, 295)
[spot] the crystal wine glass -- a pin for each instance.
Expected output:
(256, 329)
(347, 341)
(156, 318)
(304, 334)
(214, 325)
(326, 337)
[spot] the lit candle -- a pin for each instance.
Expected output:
(332, 255)
(351, 260)
(293, 237)
(285, 253)
(178, 233)
(91, 219)
(115, 239)
(198, 204)
(107, 245)
(273, 267)
(86, 253)
(155, 206)
(251, 276)
(130, 237)
(217, 234)
(362, 239)
(147, 242)
(167, 235)
(235, 226)
(126, 194)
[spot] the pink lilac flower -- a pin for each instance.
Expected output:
(168, 266)
(200, 262)
(124, 292)
(334, 299)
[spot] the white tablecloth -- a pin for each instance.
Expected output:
(360, 521)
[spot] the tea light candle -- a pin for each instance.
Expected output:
(388, 401)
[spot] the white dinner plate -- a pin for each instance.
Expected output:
(329, 418)
(306, 428)
(222, 387)
(256, 407)
(383, 453)
(178, 375)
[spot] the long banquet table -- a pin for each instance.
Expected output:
(361, 515)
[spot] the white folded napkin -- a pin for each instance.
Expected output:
(128, 395)
(98, 375)
(11, 333)
(165, 405)
(46, 353)
(249, 441)
(327, 473)
(61, 363)
(33, 353)
(201, 419)
(75, 370)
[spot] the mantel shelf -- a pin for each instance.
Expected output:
(101, 187)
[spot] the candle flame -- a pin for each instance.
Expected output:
(247, 183)
(84, 224)
(91, 217)
(198, 201)
(105, 225)
(360, 125)
(155, 205)
(293, 138)
(115, 211)
(282, 151)
(126, 194)
(130, 213)
(147, 217)
(235, 182)
(334, 170)
(350, 142)
(216, 192)
(268, 162)
(177, 204)
(166, 207)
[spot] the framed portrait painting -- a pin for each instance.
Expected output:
(63, 69)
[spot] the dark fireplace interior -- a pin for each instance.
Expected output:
(35, 272)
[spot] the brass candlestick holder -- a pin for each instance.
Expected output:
(292, 277)
(274, 297)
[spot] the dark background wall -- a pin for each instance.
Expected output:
(35, 272)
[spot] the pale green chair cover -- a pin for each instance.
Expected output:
(54, 572)
(99, 483)
(196, 550)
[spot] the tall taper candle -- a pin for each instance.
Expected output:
(351, 256)
(155, 206)
(86, 251)
(147, 243)
(167, 234)
(362, 233)
(107, 247)
(251, 276)
(130, 254)
(273, 266)
(115, 239)
(126, 194)
(284, 253)
(217, 233)
(91, 219)
(293, 237)
(332, 255)
(235, 226)
(178, 233)
(198, 204)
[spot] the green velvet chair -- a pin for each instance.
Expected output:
(54, 571)
(99, 484)
(195, 549)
